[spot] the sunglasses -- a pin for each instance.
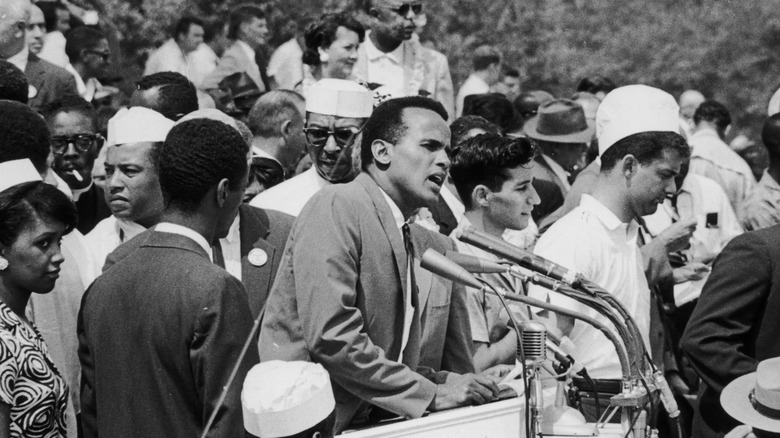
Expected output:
(82, 142)
(318, 137)
(404, 9)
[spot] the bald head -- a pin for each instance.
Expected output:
(689, 101)
(13, 23)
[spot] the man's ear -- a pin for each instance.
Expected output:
(222, 191)
(479, 196)
(286, 128)
(382, 151)
(630, 165)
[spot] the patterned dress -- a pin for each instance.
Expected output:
(29, 381)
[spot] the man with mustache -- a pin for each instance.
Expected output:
(336, 111)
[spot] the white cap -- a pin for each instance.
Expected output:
(284, 398)
(633, 109)
(136, 125)
(337, 97)
(210, 113)
(774, 104)
(17, 172)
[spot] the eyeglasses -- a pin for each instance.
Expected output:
(82, 142)
(404, 9)
(104, 55)
(318, 137)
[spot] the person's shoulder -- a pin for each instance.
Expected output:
(104, 227)
(34, 62)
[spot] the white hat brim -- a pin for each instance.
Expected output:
(735, 400)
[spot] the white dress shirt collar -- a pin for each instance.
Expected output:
(610, 221)
(250, 52)
(373, 53)
(167, 227)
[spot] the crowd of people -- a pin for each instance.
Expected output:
(235, 248)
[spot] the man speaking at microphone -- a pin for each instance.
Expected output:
(493, 176)
(641, 153)
(347, 296)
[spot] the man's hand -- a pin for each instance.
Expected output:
(497, 372)
(691, 272)
(464, 390)
(741, 431)
(676, 236)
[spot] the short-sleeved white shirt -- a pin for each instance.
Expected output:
(591, 240)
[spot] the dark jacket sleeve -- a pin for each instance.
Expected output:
(88, 406)
(718, 336)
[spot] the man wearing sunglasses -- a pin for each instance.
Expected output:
(393, 57)
(90, 57)
(336, 111)
(75, 143)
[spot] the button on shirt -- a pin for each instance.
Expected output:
(408, 308)
(591, 240)
(385, 68)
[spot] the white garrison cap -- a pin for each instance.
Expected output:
(633, 109)
(337, 97)
(284, 398)
(210, 113)
(17, 172)
(136, 125)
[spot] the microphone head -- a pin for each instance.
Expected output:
(442, 266)
(474, 264)
(534, 337)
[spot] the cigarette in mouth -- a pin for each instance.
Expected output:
(77, 176)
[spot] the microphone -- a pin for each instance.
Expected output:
(521, 257)
(442, 266)
(534, 339)
(475, 265)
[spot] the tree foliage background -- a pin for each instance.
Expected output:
(727, 49)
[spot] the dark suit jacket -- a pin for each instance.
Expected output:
(92, 209)
(735, 323)
(159, 334)
(549, 187)
(50, 82)
(339, 300)
(266, 230)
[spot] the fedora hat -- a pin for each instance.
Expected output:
(560, 121)
(754, 399)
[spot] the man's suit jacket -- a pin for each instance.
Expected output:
(549, 187)
(234, 60)
(266, 230)
(426, 72)
(339, 300)
(735, 323)
(49, 81)
(159, 334)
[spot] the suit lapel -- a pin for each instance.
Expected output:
(424, 277)
(253, 230)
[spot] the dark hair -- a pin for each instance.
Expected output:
(770, 136)
(240, 15)
(22, 203)
(512, 72)
(493, 107)
(485, 159)
(177, 97)
(82, 38)
(387, 122)
(71, 103)
(184, 24)
(13, 83)
(461, 127)
(595, 84)
(322, 33)
(196, 155)
(527, 104)
(23, 134)
(213, 28)
(713, 112)
(49, 10)
(646, 147)
(271, 110)
(484, 57)
(324, 427)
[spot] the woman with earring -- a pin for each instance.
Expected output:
(331, 48)
(33, 218)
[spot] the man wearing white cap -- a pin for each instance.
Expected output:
(336, 111)
(288, 399)
(641, 153)
(132, 186)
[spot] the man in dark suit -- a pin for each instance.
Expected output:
(161, 331)
(47, 81)
(345, 295)
(735, 324)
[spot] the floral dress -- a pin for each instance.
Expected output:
(29, 381)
